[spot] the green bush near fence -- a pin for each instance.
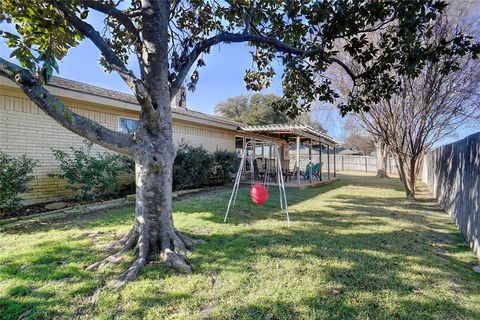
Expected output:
(90, 175)
(15, 173)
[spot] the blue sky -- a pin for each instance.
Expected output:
(222, 77)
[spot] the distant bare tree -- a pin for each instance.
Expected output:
(363, 122)
(357, 138)
(425, 109)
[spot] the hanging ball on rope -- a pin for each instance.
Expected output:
(258, 193)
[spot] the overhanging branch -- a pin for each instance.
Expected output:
(110, 56)
(117, 14)
(53, 107)
(227, 37)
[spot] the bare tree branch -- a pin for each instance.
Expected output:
(78, 124)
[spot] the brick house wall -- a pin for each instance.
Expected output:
(25, 129)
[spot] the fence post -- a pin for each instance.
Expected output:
(366, 165)
(343, 167)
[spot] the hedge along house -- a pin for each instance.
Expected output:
(25, 129)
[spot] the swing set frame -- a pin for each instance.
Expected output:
(273, 150)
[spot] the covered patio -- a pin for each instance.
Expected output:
(307, 157)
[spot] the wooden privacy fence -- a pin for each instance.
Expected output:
(452, 173)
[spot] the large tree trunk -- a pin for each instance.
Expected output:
(408, 174)
(153, 230)
(381, 149)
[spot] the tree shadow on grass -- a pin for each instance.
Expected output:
(246, 212)
(363, 266)
(351, 267)
(33, 276)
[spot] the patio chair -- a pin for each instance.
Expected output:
(306, 174)
(316, 171)
(272, 169)
(289, 174)
(260, 168)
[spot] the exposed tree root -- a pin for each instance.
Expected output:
(132, 272)
(128, 243)
(173, 246)
(189, 242)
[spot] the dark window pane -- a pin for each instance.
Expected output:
(126, 125)
(238, 142)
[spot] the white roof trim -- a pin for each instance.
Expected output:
(306, 131)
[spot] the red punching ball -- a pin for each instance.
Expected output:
(258, 193)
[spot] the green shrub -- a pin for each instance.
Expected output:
(192, 167)
(92, 176)
(225, 165)
(15, 173)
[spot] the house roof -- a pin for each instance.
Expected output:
(350, 152)
(89, 88)
(293, 130)
(125, 97)
(306, 132)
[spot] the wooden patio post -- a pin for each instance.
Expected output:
(334, 162)
(320, 156)
(328, 161)
(298, 160)
(310, 158)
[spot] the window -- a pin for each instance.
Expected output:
(127, 125)
(239, 146)
(266, 151)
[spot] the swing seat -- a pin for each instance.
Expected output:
(258, 193)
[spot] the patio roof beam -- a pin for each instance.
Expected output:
(305, 132)
(320, 159)
(298, 160)
(328, 162)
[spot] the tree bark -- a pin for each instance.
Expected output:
(381, 149)
(407, 176)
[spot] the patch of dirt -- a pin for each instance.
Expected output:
(32, 209)
(40, 207)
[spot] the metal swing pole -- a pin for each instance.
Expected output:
(236, 185)
(267, 171)
(242, 165)
(284, 193)
(276, 156)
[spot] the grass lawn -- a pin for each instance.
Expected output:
(356, 250)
